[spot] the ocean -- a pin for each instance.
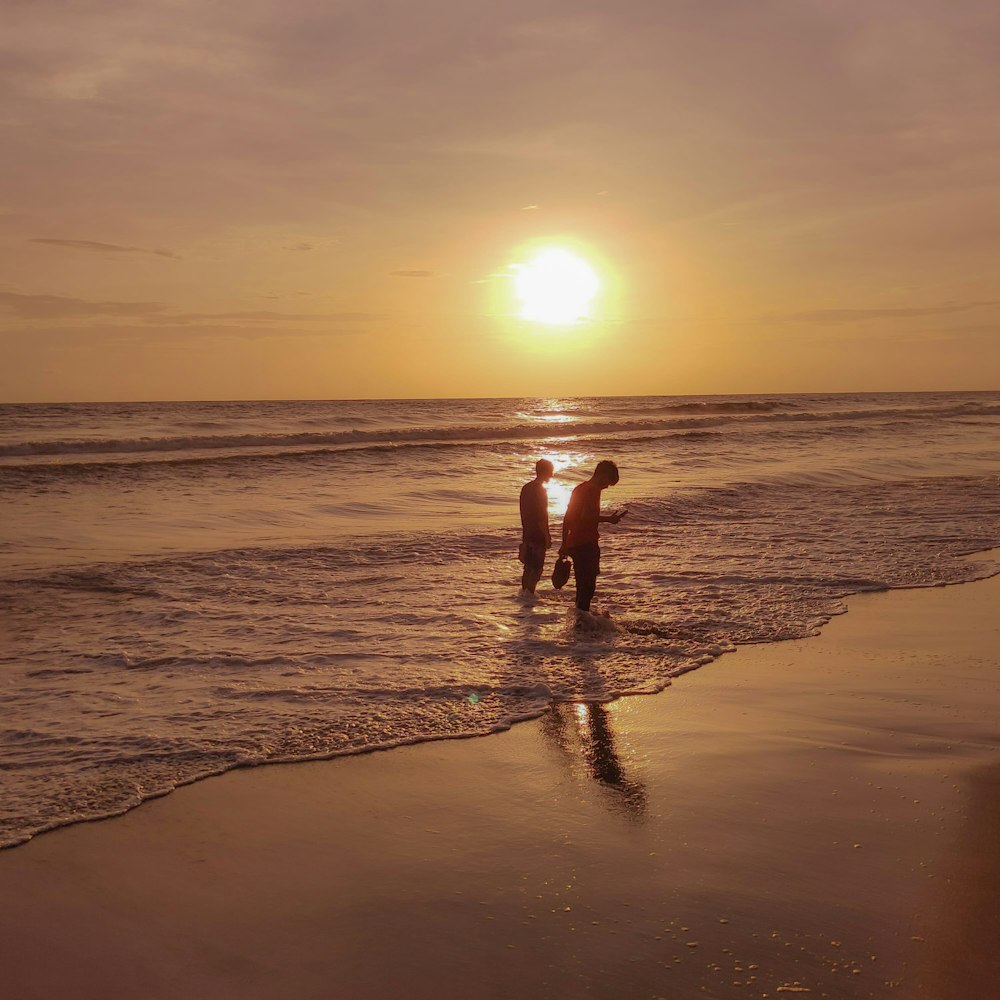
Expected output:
(186, 588)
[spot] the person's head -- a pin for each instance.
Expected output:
(606, 474)
(544, 469)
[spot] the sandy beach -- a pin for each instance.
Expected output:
(818, 816)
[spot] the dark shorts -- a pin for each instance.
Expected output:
(532, 554)
(586, 561)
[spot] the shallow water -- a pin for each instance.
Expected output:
(188, 587)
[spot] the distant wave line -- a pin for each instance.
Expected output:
(394, 437)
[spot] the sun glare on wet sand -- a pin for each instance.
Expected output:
(555, 287)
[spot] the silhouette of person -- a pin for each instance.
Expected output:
(581, 538)
(535, 535)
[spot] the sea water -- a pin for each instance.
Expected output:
(191, 587)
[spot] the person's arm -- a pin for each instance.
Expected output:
(612, 518)
(542, 517)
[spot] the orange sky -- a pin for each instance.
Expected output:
(322, 199)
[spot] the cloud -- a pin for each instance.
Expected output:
(61, 306)
(860, 315)
(413, 274)
(69, 334)
(96, 247)
(266, 316)
(47, 307)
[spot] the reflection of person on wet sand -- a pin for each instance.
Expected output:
(581, 538)
(593, 726)
(535, 535)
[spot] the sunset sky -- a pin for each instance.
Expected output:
(325, 198)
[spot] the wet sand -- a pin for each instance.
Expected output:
(818, 817)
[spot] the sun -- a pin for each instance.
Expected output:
(555, 287)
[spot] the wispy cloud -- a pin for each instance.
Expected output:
(98, 333)
(62, 307)
(266, 316)
(860, 315)
(95, 247)
(47, 307)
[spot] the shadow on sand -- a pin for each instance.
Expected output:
(583, 734)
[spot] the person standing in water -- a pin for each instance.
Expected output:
(581, 538)
(535, 535)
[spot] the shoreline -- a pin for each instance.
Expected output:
(637, 848)
(334, 755)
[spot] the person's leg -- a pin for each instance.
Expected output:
(585, 588)
(531, 575)
(586, 566)
(534, 563)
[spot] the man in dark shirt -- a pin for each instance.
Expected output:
(581, 538)
(535, 535)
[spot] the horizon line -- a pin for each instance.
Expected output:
(436, 399)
